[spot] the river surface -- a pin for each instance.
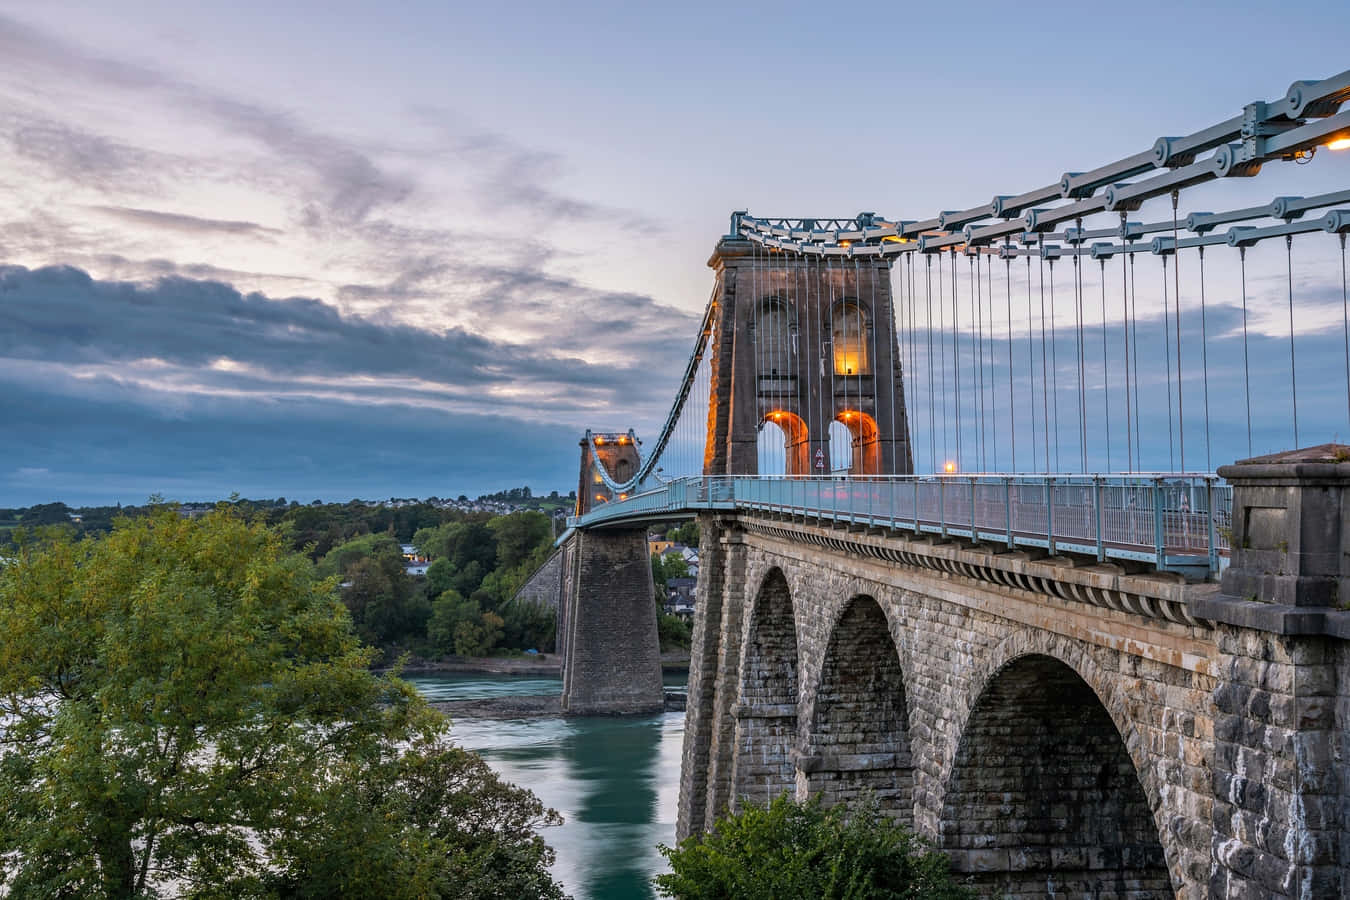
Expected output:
(615, 780)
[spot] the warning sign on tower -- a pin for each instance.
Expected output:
(820, 458)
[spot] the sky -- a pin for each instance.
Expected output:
(340, 250)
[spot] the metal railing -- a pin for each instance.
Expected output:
(1176, 522)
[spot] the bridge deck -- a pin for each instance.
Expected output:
(1175, 522)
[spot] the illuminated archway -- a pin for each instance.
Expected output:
(851, 329)
(863, 441)
(783, 445)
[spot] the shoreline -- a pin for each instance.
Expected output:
(526, 706)
(546, 665)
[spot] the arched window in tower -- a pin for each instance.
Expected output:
(774, 332)
(851, 339)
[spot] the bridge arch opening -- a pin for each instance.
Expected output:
(851, 329)
(783, 444)
(858, 740)
(858, 432)
(766, 714)
(1043, 795)
(841, 448)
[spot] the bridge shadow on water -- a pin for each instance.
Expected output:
(614, 779)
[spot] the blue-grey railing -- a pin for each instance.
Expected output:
(1179, 522)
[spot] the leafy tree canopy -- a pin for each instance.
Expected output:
(186, 709)
(791, 849)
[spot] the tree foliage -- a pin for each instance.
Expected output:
(791, 849)
(184, 703)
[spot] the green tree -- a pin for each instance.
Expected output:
(519, 535)
(184, 702)
(342, 557)
(686, 534)
(529, 626)
(672, 631)
(791, 849)
(447, 612)
(477, 637)
(439, 577)
(671, 565)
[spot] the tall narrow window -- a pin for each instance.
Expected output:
(850, 340)
(775, 335)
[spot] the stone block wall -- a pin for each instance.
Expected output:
(944, 640)
(766, 707)
(544, 586)
(856, 740)
(1043, 797)
(1279, 814)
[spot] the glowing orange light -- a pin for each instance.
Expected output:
(777, 416)
(1339, 144)
(845, 243)
(623, 496)
(950, 467)
(601, 498)
(599, 440)
(623, 440)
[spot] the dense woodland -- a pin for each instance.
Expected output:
(478, 559)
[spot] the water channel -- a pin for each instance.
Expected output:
(614, 780)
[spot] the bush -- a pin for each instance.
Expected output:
(673, 631)
(791, 849)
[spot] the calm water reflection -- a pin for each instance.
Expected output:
(614, 780)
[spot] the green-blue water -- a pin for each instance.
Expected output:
(615, 780)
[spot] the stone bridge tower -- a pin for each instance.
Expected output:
(804, 342)
(618, 453)
(607, 617)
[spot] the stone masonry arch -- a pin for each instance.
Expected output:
(766, 707)
(1047, 729)
(855, 732)
(946, 637)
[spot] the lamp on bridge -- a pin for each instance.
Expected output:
(1342, 143)
(949, 467)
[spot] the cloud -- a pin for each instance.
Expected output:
(76, 154)
(222, 338)
(84, 450)
(185, 223)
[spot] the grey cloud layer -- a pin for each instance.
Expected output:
(62, 315)
(185, 223)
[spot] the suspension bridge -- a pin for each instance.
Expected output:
(957, 488)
